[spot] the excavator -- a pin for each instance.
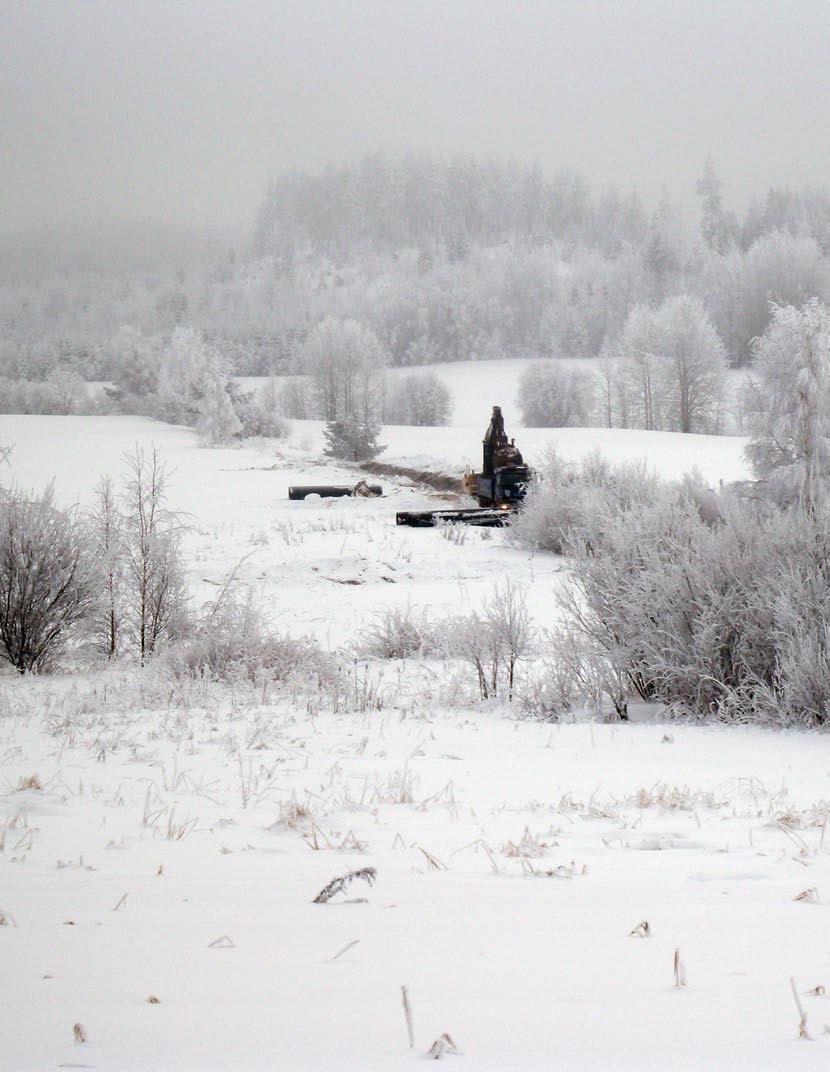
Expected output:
(499, 487)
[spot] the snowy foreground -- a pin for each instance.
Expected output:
(174, 853)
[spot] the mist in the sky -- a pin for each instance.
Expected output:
(176, 114)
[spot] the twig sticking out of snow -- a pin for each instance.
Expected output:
(817, 992)
(442, 1046)
(642, 930)
(803, 1033)
(346, 948)
(123, 900)
(679, 971)
(809, 896)
(407, 1011)
(338, 885)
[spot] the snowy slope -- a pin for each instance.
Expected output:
(513, 858)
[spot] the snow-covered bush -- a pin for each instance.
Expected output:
(419, 398)
(722, 616)
(576, 674)
(233, 640)
(567, 496)
(47, 579)
(55, 396)
(553, 395)
(399, 633)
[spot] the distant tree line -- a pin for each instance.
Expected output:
(440, 261)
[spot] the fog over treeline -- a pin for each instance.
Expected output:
(462, 181)
(445, 260)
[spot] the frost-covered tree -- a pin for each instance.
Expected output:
(352, 439)
(193, 378)
(697, 364)
(553, 395)
(420, 399)
(642, 369)
(672, 364)
(134, 366)
(67, 387)
(739, 286)
(718, 226)
(155, 589)
(218, 422)
(107, 532)
(345, 362)
(789, 401)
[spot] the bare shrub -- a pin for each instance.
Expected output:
(398, 633)
(47, 576)
(722, 614)
(578, 673)
(234, 640)
(494, 640)
(567, 497)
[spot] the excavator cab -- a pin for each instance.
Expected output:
(504, 476)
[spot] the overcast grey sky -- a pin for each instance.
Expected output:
(179, 111)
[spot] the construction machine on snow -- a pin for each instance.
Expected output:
(499, 487)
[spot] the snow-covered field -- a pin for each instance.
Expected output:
(175, 852)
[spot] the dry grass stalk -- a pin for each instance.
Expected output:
(346, 948)
(817, 992)
(222, 942)
(642, 930)
(407, 1011)
(178, 831)
(79, 1033)
(679, 971)
(339, 884)
(32, 782)
(803, 1033)
(443, 1045)
(122, 900)
(434, 863)
(312, 840)
(529, 846)
(809, 896)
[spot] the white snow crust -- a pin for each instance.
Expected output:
(513, 858)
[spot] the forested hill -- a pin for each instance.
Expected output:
(444, 261)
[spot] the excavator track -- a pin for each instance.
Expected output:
(485, 517)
